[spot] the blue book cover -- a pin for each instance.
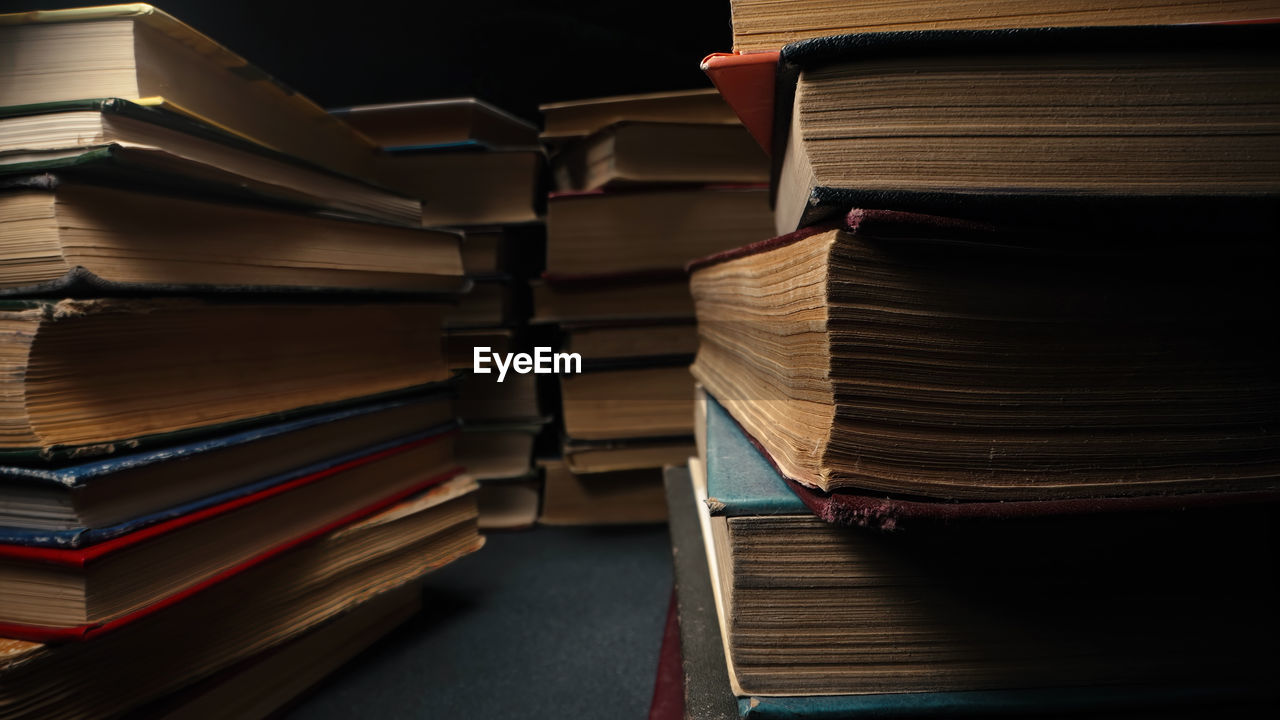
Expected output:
(740, 480)
(1077, 702)
(82, 475)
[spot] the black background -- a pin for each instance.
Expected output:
(511, 53)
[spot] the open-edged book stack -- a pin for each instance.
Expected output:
(479, 170)
(300, 590)
(643, 184)
(227, 429)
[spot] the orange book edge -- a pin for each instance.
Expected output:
(746, 81)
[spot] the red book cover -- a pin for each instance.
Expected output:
(83, 557)
(746, 82)
(668, 687)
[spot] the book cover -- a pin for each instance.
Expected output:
(706, 691)
(747, 82)
(447, 124)
(69, 454)
(668, 686)
(84, 556)
(86, 474)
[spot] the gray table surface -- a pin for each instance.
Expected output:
(552, 622)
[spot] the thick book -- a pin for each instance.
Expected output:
(482, 400)
(516, 251)
(591, 456)
(626, 497)
(489, 303)
(572, 119)
(446, 124)
(991, 618)
(618, 231)
(70, 239)
(274, 680)
(936, 360)
(764, 25)
(498, 450)
(496, 187)
(93, 377)
(633, 153)
(261, 608)
(510, 503)
(79, 593)
(647, 295)
(603, 342)
(117, 141)
(1077, 117)
(628, 402)
(138, 52)
(92, 500)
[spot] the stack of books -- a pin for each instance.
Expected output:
(641, 185)
(991, 427)
(479, 171)
(227, 453)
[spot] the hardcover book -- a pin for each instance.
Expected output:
(515, 251)
(1000, 617)
(118, 141)
(764, 25)
(633, 153)
(73, 239)
(268, 683)
(704, 683)
(488, 303)
(510, 503)
(100, 376)
(628, 402)
(626, 497)
(650, 230)
(606, 342)
(612, 297)
(580, 118)
(935, 360)
(469, 188)
(138, 52)
(89, 501)
(1180, 112)
(591, 456)
(79, 593)
(497, 450)
(256, 610)
(446, 124)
